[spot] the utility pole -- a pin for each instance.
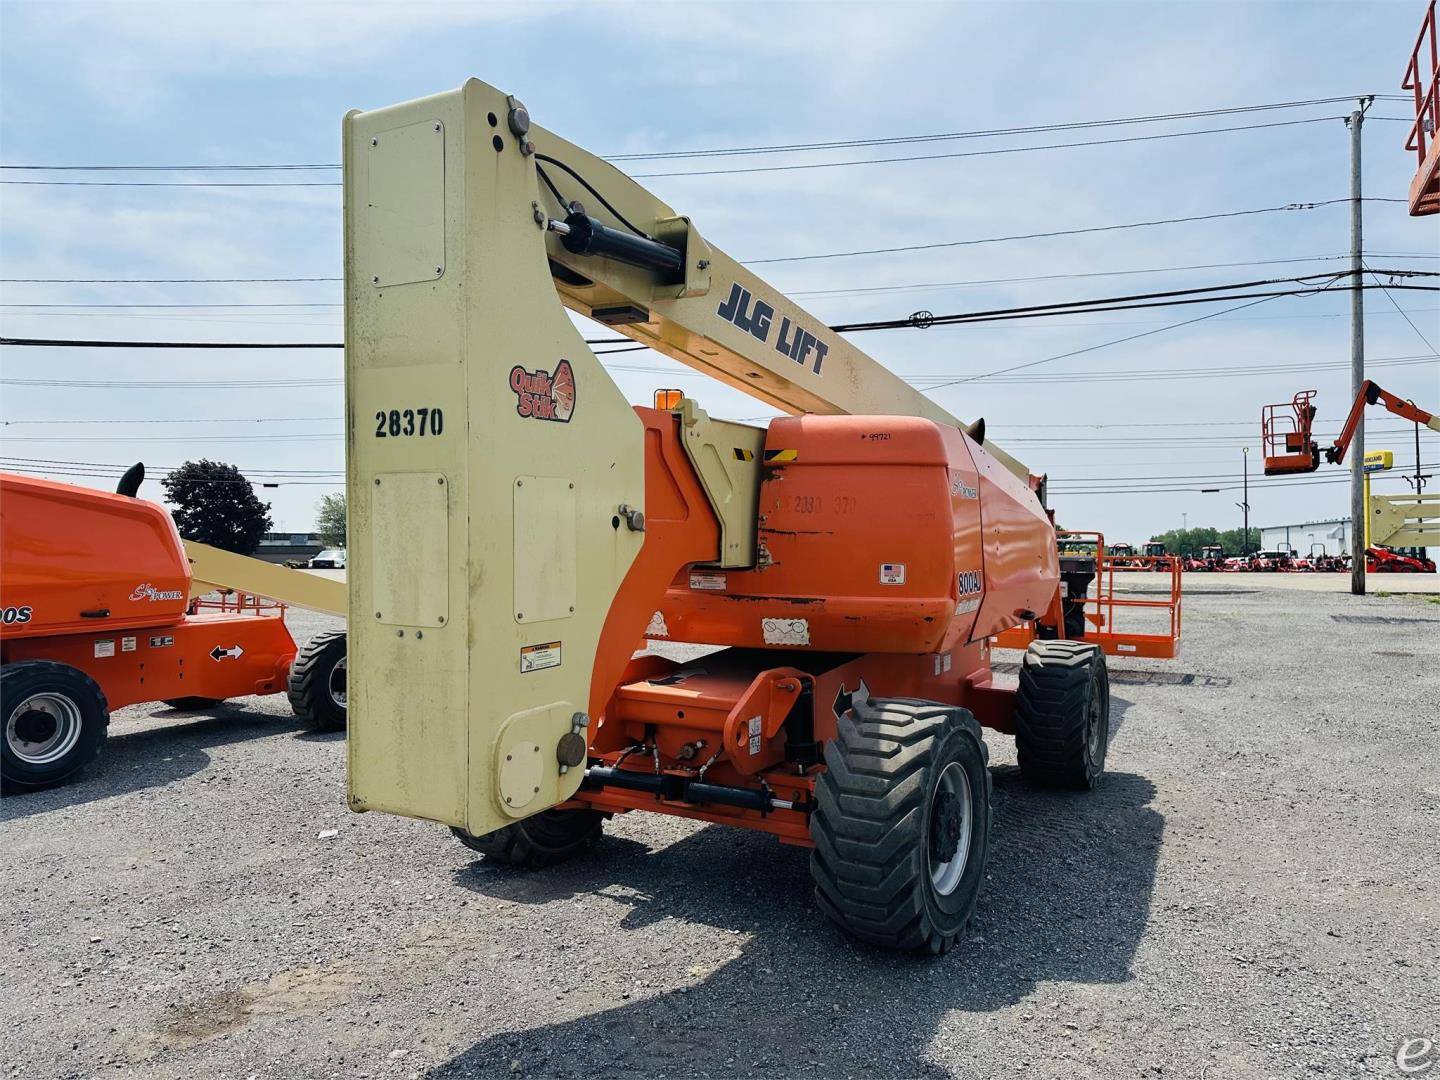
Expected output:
(1245, 506)
(1419, 478)
(1358, 510)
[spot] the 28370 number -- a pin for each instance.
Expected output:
(398, 423)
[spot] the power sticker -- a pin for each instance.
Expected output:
(892, 573)
(539, 395)
(1124, 648)
(105, 648)
(127, 644)
(964, 607)
(785, 631)
(754, 735)
(162, 642)
(708, 582)
(943, 663)
(539, 657)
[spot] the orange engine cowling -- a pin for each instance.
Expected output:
(876, 534)
(73, 560)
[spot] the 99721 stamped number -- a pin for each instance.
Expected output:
(400, 423)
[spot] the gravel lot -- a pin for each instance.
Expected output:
(1250, 893)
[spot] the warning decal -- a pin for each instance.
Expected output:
(785, 631)
(539, 657)
(708, 582)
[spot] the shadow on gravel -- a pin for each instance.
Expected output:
(150, 757)
(1067, 898)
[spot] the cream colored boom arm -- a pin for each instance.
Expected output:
(721, 319)
(211, 569)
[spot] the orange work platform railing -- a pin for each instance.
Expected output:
(1422, 79)
(1104, 611)
(1285, 436)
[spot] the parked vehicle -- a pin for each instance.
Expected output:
(1382, 560)
(329, 559)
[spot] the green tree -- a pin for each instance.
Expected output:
(1191, 541)
(216, 505)
(330, 519)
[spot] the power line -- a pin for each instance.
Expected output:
(906, 159)
(780, 148)
(1375, 274)
(87, 343)
(925, 319)
(1061, 232)
(910, 158)
(813, 292)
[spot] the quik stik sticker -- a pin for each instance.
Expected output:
(543, 395)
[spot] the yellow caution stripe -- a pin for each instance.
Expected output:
(744, 455)
(781, 455)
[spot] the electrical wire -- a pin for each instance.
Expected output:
(781, 148)
(1064, 232)
(911, 158)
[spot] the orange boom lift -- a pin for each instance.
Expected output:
(102, 605)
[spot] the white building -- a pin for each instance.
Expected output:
(1331, 536)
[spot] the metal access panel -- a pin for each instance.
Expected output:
(488, 456)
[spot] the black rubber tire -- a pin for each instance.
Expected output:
(547, 838)
(22, 680)
(309, 689)
(1063, 700)
(876, 818)
(191, 704)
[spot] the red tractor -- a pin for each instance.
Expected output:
(1383, 560)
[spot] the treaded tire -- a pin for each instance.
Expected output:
(1062, 714)
(550, 837)
(191, 704)
(312, 688)
(879, 815)
(20, 683)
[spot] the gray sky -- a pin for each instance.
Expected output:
(210, 83)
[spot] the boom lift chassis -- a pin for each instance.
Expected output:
(518, 532)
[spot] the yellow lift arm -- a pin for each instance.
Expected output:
(212, 569)
(713, 314)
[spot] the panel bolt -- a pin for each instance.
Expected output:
(439, 270)
(703, 264)
(419, 634)
(377, 614)
(437, 127)
(374, 142)
(399, 633)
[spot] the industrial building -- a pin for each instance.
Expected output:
(1330, 536)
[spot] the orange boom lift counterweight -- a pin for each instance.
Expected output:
(818, 594)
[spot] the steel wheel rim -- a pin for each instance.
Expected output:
(337, 684)
(1093, 722)
(951, 813)
(43, 728)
